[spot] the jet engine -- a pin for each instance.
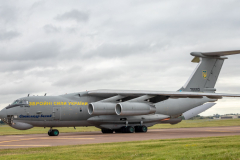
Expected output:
(102, 108)
(134, 108)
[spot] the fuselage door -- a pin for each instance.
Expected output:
(56, 113)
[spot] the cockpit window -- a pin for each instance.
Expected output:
(15, 102)
(20, 101)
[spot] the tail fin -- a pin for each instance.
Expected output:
(205, 76)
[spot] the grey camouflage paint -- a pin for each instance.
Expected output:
(71, 110)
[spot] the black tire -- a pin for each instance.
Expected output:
(144, 129)
(49, 133)
(137, 128)
(123, 129)
(141, 129)
(107, 131)
(130, 129)
(55, 132)
(118, 131)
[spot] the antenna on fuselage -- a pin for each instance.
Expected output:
(45, 94)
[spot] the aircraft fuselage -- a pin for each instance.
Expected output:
(71, 110)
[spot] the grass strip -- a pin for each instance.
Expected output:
(221, 148)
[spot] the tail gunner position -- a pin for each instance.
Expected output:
(122, 111)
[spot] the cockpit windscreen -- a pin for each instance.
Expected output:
(18, 102)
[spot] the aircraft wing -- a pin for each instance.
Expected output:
(174, 94)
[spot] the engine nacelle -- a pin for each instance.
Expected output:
(134, 108)
(102, 108)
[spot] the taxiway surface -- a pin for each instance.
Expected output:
(79, 138)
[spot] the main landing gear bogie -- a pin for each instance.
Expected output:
(141, 129)
(53, 132)
(128, 129)
(107, 131)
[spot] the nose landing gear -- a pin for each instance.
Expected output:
(53, 132)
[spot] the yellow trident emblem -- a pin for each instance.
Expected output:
(204, 74)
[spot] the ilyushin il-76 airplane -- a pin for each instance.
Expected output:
(122, 111)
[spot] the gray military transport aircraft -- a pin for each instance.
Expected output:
(122, 111)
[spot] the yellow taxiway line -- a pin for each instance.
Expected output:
(17, 140)
(39, 138)
(220, 131)
(25, 145)
(66, 138)
(13, 136)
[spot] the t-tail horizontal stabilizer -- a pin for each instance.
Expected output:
(215, 54)
(205, 76)
(195, 111)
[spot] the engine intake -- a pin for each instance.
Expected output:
(134, 108)
(102, 108)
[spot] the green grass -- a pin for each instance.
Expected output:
(6, 130)
(201, 123)
(221, 148)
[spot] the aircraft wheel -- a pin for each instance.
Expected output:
(107, 131)
(49, 133)
(137, 128)
(123, 129)
(141, 129)
(130, 129)
(118, 131)
(53, 132)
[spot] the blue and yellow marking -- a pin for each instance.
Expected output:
(204, 74)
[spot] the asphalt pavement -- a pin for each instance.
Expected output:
(80, 138)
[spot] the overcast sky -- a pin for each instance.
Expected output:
(64, 46)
